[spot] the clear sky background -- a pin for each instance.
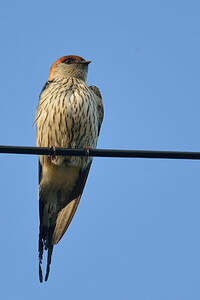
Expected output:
(136, 234)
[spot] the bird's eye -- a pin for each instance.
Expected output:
(68, 61)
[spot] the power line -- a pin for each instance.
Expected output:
(100, 152)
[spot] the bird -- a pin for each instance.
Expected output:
(69, 115)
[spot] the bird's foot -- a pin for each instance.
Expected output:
(53, 156)
(87, 150)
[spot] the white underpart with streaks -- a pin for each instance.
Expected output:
(67, 116)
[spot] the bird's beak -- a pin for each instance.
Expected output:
(86, 62)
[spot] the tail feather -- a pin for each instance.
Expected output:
(56, 209)
(45, 244)
(40, 250)
(50, 251)
(40, 272)
(46, 230)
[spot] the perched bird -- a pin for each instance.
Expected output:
(69, 115)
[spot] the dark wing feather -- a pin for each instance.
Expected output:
(42, 234)
(100, 104)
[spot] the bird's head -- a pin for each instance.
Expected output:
(69, 66)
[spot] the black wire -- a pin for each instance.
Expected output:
(100, 152)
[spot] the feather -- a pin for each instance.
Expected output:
(66, 214)
(55, 220)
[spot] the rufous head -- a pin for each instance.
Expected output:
(69, 66)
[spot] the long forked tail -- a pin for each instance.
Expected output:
(56, 215)
(45, 240)
(50, 251)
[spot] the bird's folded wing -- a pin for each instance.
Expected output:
(66, 214)
(99, 104)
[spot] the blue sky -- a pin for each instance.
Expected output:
(136, 234)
